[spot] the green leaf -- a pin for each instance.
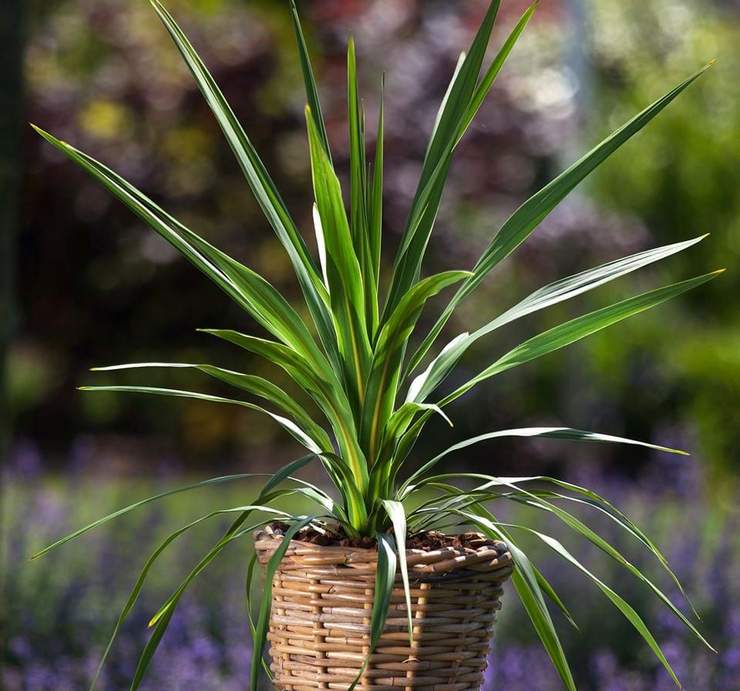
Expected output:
(139, 584)
(162, 619)
(346, 289)
(321, 386)
(443, 104)
(578, 328)
(385, 576)
(288, 425)
(251, 383)
(248, 600)
(438, 369)
(529, 215)
(259, 180)
(320, 243)
(381, 475)
(436, 163)
(589, 497)
(382, 383)
(265, 495)
(549, 591)
(260, 633)
(485, 84)
(402, 418)
(528, 589)
(247, 288)
(538, 501)
(595, 539)
(551, 294)
(375, 208)
(463, 500)
(624, 607)
(296, 465)
(597, 502)
(397, 514)
(359, 221)
(550, 432)
(312, 92)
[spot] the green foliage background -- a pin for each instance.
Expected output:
(94, 287)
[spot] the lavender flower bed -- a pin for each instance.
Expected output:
(58, 611)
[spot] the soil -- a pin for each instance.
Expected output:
(427, 541)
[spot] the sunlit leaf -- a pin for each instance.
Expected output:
(529, 215)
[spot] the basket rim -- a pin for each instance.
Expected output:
(490, 556)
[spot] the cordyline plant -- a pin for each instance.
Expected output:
(371, 394)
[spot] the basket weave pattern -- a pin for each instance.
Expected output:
(320, 623)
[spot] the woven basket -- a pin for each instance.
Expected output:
(321, 602)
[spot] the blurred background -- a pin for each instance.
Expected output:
(83, 283)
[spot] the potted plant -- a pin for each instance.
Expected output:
(366, 589)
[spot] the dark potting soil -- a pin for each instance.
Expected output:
(427, 541)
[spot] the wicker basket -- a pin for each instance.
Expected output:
(321, 602)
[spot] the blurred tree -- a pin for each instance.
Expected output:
(11, 100)
(96, 288)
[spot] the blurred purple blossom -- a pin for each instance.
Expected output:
(60, 610)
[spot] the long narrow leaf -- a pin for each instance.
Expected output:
(359, 211)
(485, 84)
(141, 579)
(549, 432)
(321, 386)
(375, 206)
(250, 290)
(248, 606)
(259, 180)
(162, 619)
(295, 466)
(594, 538)
(528, 589)
(235, 531)
(538, 501)
(436, 168)
(251, 383)
(622, 605)
(585, 496)
(385, 576)
(578, 328)
(528, 216)
(312, 92)
(288, 425)
(436, 163)
(346, 291)
(547, 296)
(260, 632)
(397, 514)
(382, 383)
